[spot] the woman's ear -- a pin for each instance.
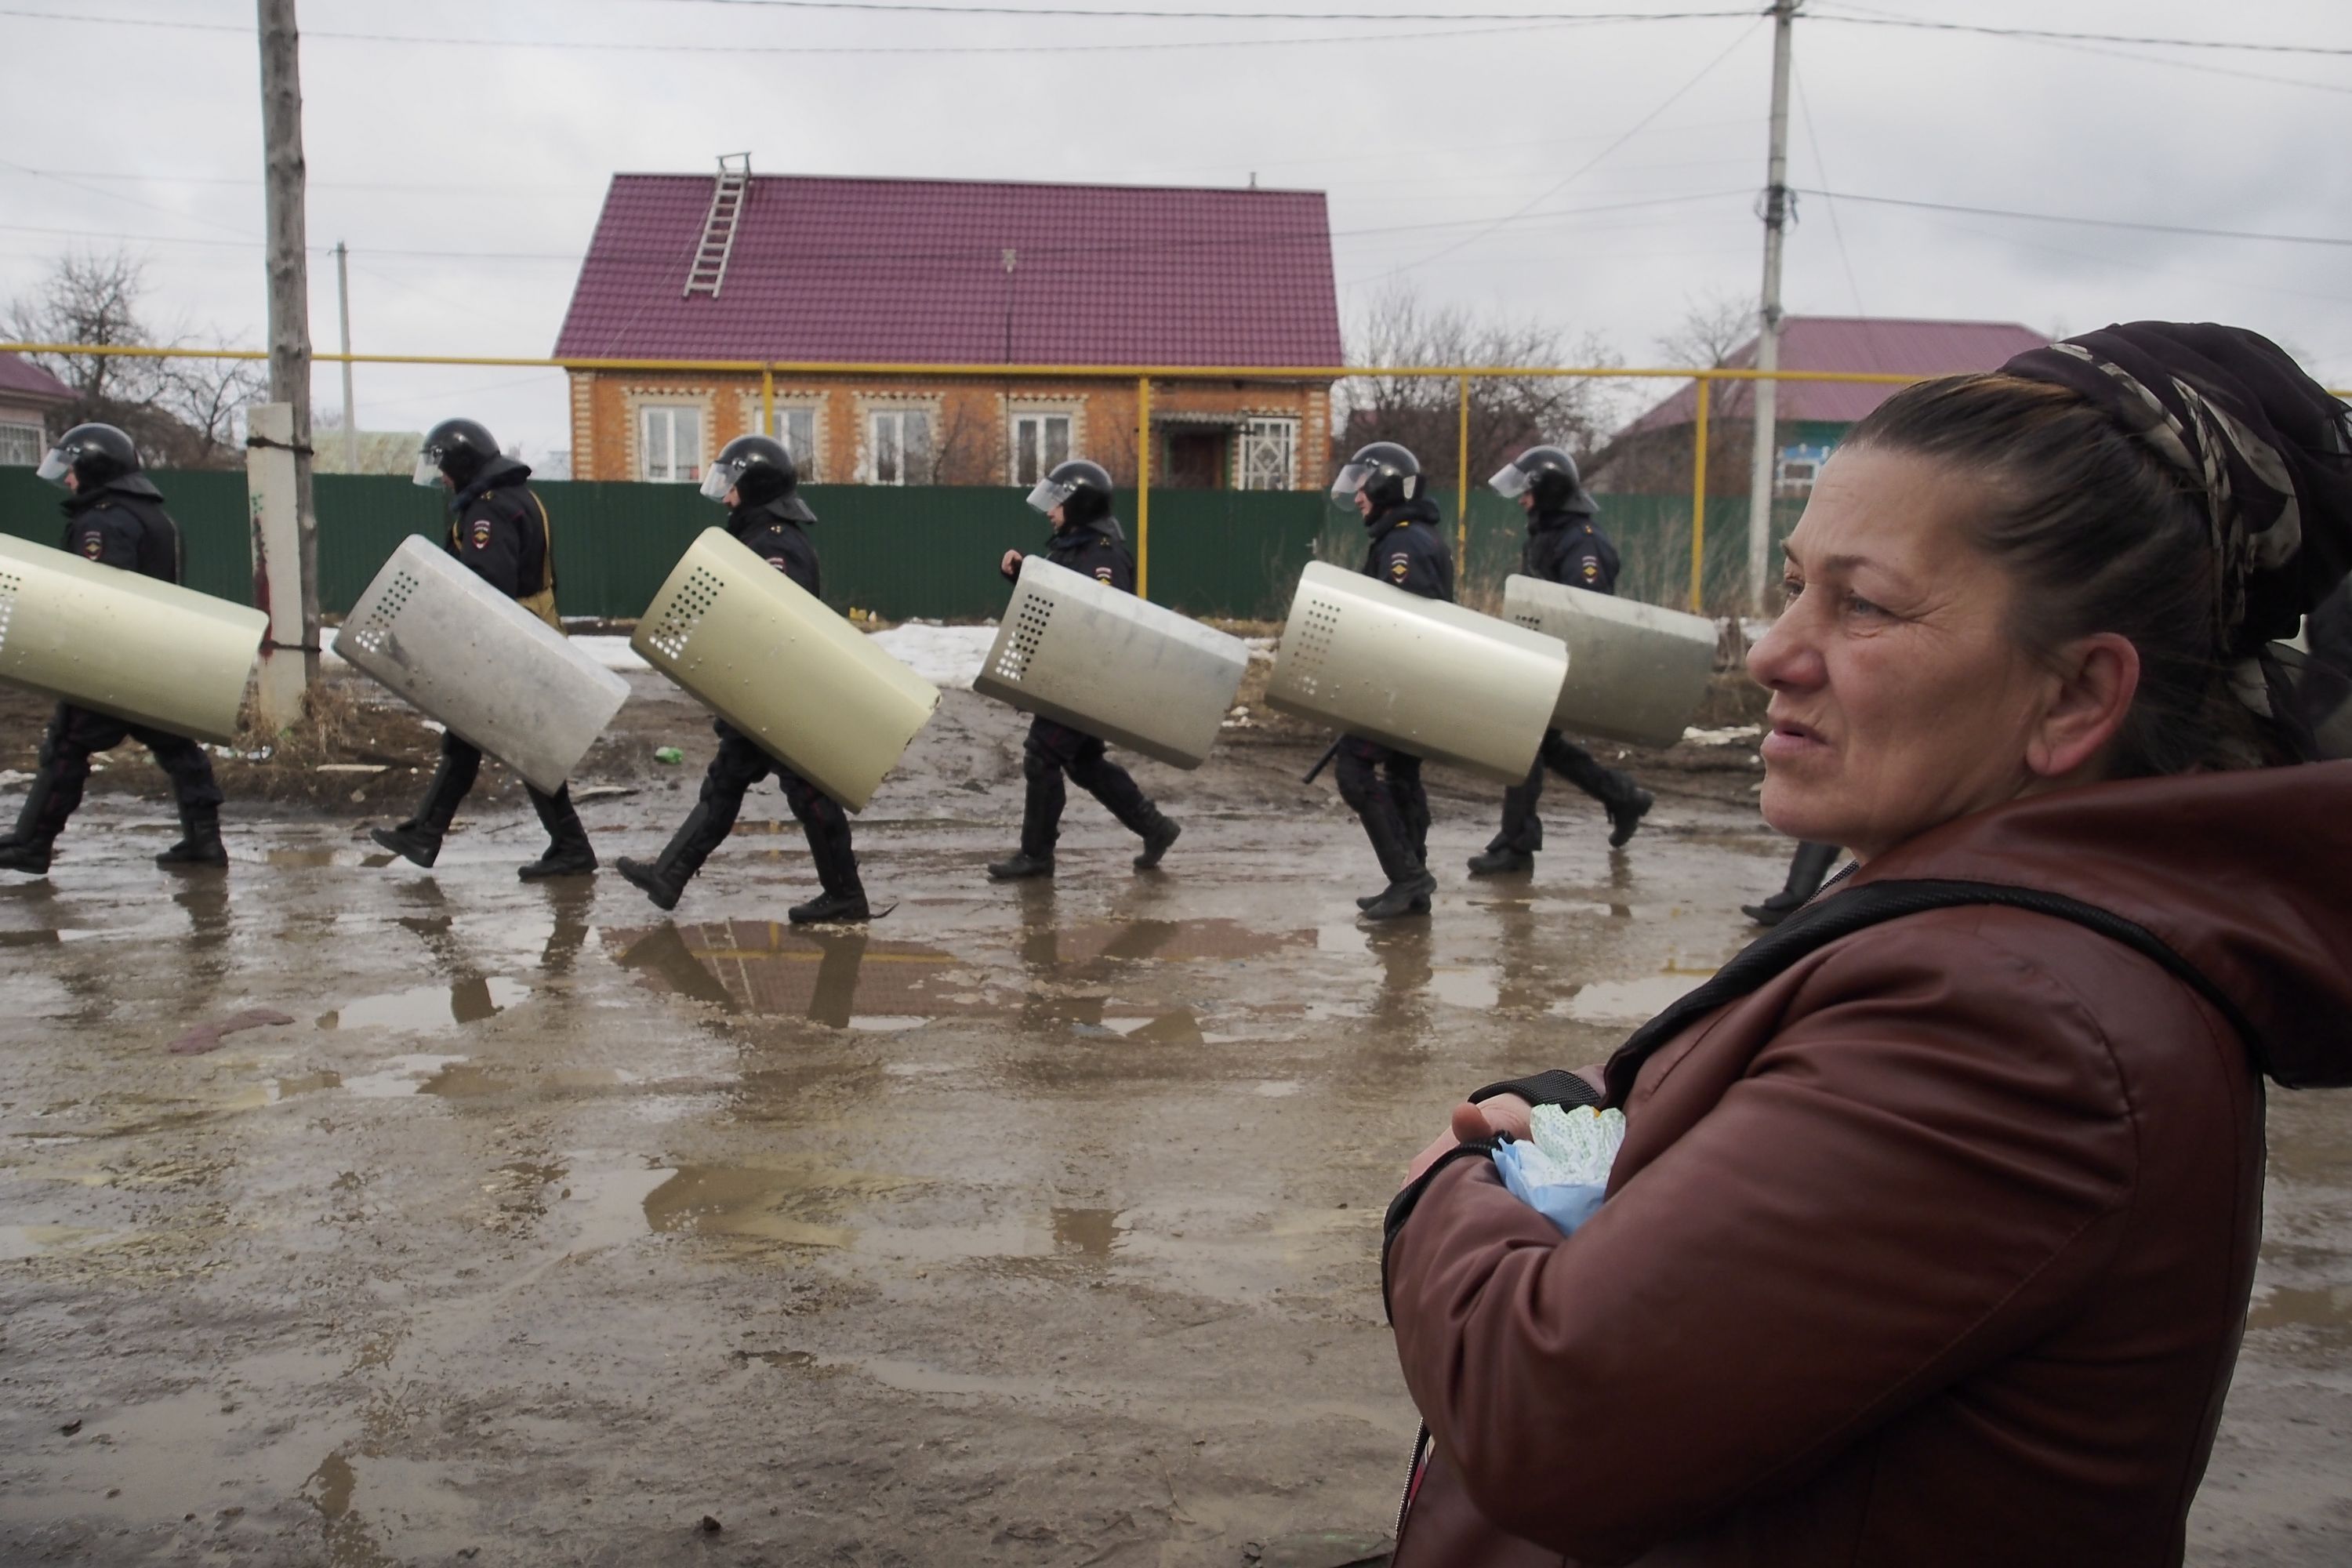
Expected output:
(2093, 684)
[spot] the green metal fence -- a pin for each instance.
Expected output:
(902, 552)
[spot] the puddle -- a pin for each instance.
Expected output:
(301, 859)
(292, 1084)
(843, 980)
(2327, 1309)
(1635, 1000)
(18, 1242)
(1476, 988)
(398, 1076)
(1277, 1087)
(1090, 1233)
(429, 1007)
(29, 939)
(778, 1358)
(464, 1080)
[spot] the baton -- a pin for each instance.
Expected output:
(1322, 762)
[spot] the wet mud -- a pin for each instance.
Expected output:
(1031, 1225)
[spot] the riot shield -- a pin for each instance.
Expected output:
(764, 654)
(1635, 672)
(1421, 675)
(147, 652)
(1084, 654)
(461, 652)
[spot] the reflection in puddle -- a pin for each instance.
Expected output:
(29, 938)
(786, 1206)
(462, 1079)
(848, 980)
(22, 1241)
(1615, 1001)
(301, 859)
(288, 1085)
(1476, 988)
(1090, 1233)
(398, 1076)
(2326, 1309)
(429, 1007)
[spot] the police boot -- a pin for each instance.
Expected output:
(1501, 860)
(1041, 826)
(200, 840)
(1410, 883)
(664, 878)
(1626, 813)
(567, 852)
(1163, 832)
(28, 848)
(1808, 869)
(419, 838)
(843, 898)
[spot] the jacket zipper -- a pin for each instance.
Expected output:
(1412, 1474)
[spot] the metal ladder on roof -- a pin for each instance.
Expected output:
(709, 269)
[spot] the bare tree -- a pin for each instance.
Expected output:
(1507, 414)
(1714, 328)
(182, 413)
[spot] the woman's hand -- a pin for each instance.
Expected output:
(1011, 564)
(1503, 1113)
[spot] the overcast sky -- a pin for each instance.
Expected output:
(1494, 165)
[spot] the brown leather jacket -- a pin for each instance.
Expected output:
(1933, 1250)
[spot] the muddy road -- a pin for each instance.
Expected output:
(1029, 1225)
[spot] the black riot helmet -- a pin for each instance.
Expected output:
(759, 469)
(93, 454)
(1550, 474)
(1385, 472)
(457, 448)
(1082, 490)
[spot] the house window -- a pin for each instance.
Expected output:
(20, 446)
(669, 445)
(796, 428)
(1269, 454)
(900, 446)
(1041, 443)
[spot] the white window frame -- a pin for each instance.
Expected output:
(667, 414)
(1267, 446)
(35, 447)
(810, 463)
(896, 417)
(1032, 441)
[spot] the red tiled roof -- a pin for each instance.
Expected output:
(1864, 343)
(20, 377)
(913, 271)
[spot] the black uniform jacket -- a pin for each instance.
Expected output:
(777, 539)
(1408, 550)
(500, 529)
(122, 523)
(1564, 547)
(1098, 548)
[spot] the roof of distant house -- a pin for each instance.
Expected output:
(960, 271)
(1918, 348)
(20, 377)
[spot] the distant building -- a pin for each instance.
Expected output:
(908, 273)
(30, 401)
(380, 452)
(1652, 454)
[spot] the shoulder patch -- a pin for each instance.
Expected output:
(481, 533)
(1102, 573)
(1400, 565)
(777, 562)
(1591, 568)
(93, 544)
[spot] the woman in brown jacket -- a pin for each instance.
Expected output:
(1932, 1234)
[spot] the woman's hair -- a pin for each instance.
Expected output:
(2097, 535)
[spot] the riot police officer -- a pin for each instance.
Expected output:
(499, 529)
(755, 477)
(114, 516)
(1383, 483)
(1563, 546)
(1075, 497)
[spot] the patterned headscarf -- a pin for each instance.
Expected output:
(2265, 446)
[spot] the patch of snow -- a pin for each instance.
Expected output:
(1732, 736)
(948, 656)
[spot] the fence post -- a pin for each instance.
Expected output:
(1143, 487)
(1462, 489)
(273, 492)
(1698, 498)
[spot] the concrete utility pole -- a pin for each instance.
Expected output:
(343, 310)
(285, 523)
(1767, 332)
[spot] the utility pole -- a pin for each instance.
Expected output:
(1768, 330)
(277, 467)
(343, 310)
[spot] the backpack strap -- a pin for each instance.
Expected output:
(1839, 916)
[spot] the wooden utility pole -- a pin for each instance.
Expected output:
(283, 524)
(1766, 471)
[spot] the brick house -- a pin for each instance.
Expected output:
(1652, 454)
(904, 273)
(30, 399)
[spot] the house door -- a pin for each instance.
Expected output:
(1196, 460)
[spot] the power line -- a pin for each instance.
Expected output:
(1135, 14)
(1987, 30)
(1813, 137)
(2087, 222)
(1323, 40)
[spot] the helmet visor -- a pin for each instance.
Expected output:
(1511, 480)
(1353, 477)
(720, 478)
(1050, 494)
(55, 466)
(428, 467)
